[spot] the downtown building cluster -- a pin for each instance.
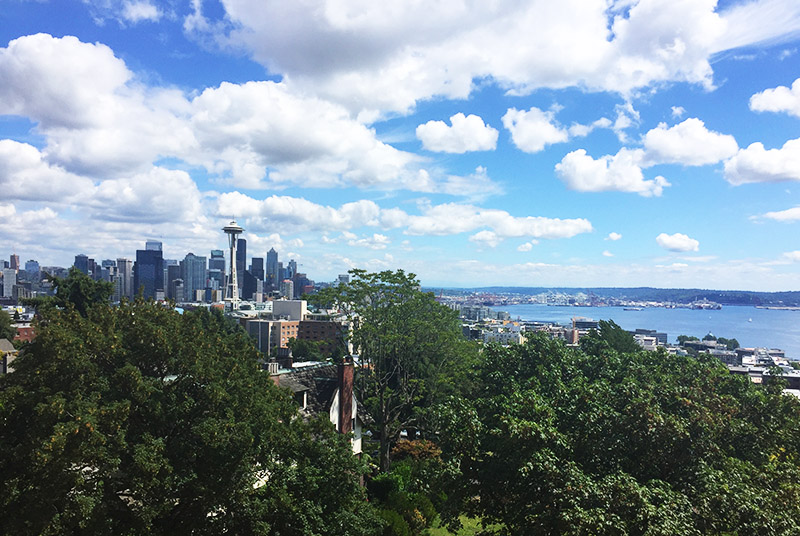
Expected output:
(193, 279)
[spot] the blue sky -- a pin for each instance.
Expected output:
(573, 143)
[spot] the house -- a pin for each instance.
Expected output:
(7, 355)
(324, 388)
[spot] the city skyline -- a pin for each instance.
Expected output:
(583, 144)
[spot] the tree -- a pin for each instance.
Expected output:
(557, 441)
(7, 329)
(305, 349)
(609, 335)
(409, 348)
(136, 419)
(685, 338)
(77, 290)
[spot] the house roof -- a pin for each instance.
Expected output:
(6, 347)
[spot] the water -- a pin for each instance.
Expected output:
(748, 325)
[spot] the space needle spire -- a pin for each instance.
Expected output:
(233, 230)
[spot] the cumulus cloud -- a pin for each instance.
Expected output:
(793, 256)
(677, 242)
(607, 253)
(531, 131)
(689, 143)
(466, 133)
(376, 241)
(779, 99)
(678, 111)
(486, 238)
(757, 164)
(141, 10)
(25, 175)
(374, 59)
(297, 214)
(527, 246)
(621, 172)
(788, 215)
(613, 236)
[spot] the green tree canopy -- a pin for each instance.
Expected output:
(557, 441)
(410, 349)
(7, 329)
(139, 420)
(77, 290)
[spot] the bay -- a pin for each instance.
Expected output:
(768, 328)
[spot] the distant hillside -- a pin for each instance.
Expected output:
(678, 295)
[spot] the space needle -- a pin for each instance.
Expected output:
(233, 230)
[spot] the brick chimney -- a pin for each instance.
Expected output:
(345, 378)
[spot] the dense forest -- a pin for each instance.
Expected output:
(136, 419)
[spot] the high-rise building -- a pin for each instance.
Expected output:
(9, 280)
(148, 273)
(291, 269)
(14, 262)
(82, 263)
(193, 271)
(241, 259)
(272, 275)
(32, 267)
(108, 269)
(125, 270)
(257, 268)
(152, 245)
(216, 270)
(174, 272)
(287, 288)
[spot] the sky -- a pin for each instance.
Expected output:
(575, 143)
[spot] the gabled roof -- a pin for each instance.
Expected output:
(6, 347)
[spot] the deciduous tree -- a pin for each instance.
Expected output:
(139, 420)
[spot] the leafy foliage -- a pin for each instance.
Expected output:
(138, 420)
(77, 290)
(555, 440)
(410, 350)
(7, 329)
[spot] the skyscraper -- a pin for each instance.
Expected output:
(216, 269)
(291, 269)
(174, 273)
(32, 266)
(241, 259)
(14, 264)
(257, 268)
(9, 280)
(125, 270)
(148, 273)
(273, 277)
(152, 245)
(193, 270)
(82, 263)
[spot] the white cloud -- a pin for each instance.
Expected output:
(757, 164)
(689, 143)
(678, 111)
(793, 256)
(677, 242)
(788, 215)
(7, 210)
(527, 246)
(298, 215)
(375, 58)
(158, 196)
(578, 130)
(141, 10)
(466, 134)
(24, 175)
(779, 99)
(621, 172)
(486, 238)
(607, 253)
(531, 131)
(613, 236)
(376, 241)
(758, 21)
